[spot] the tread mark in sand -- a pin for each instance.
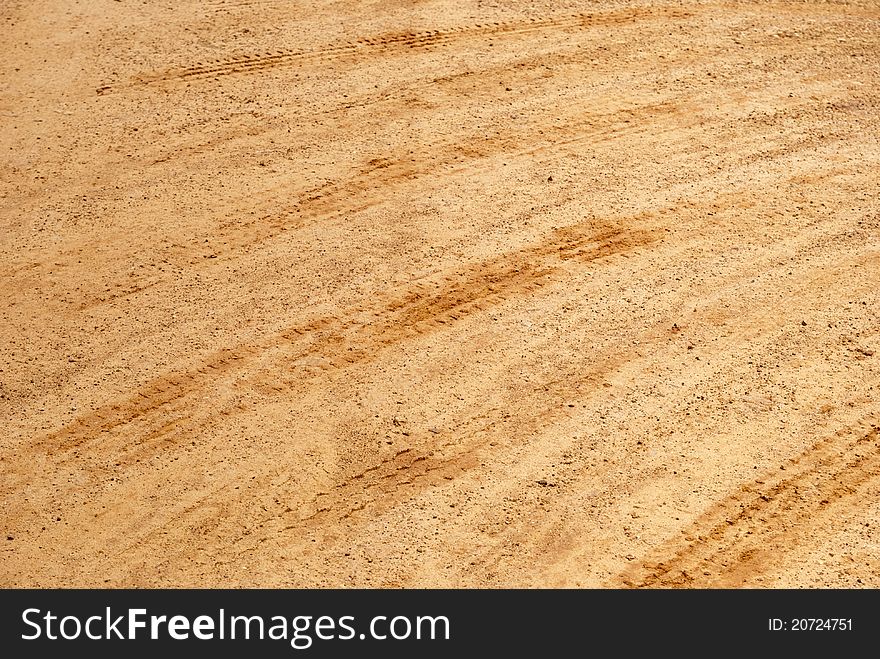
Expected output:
(744, 534)
(412, 469)
(346, 196)
(404, 40)
(339, 341)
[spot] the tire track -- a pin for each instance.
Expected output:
(744, 534)
(403, 41)
(413, 469)
(162, 411)
(376, 180)
(232, 5)
(433, 305)
(404, 474)
(156, 399)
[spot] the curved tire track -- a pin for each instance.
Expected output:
(746, 532)
(161, 411)
(397, 42)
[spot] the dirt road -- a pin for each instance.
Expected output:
(410, 293)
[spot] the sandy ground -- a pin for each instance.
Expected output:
(400, 293)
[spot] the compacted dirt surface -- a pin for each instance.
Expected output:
(400, 293)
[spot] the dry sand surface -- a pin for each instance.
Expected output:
(400, 293)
